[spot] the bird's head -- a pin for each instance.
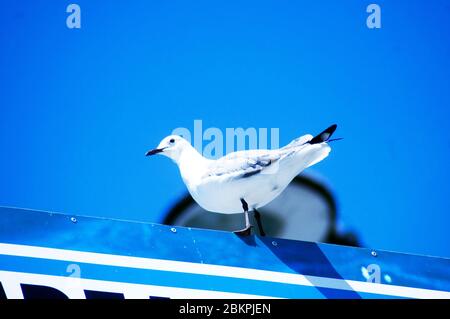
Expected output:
(171, 146)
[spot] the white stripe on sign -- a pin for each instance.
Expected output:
(74, 288)
(217, 270)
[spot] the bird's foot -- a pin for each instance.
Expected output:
(244, 232)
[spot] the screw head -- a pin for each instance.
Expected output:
(374, 253)
(387, 278)
(73, 219)
(274, 243)
(173, 230)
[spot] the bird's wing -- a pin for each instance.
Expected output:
(243, 164)
(299, 141)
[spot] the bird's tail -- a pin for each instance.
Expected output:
(308, 150)
(318, 146)
(325, 136)
(309, 139)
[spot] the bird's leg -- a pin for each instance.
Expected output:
(247, 230)
(258, 221)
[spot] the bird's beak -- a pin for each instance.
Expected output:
(155, 151)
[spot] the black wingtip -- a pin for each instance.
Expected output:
(324, 136)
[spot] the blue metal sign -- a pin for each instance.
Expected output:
(56, 255)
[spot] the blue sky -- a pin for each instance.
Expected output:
(79, 108)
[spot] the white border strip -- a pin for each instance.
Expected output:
(217, 270)
(74, 288)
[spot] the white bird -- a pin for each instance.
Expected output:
(246, 180)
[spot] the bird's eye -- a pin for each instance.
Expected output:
(172, 141)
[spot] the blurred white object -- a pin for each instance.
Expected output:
(306, 210)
